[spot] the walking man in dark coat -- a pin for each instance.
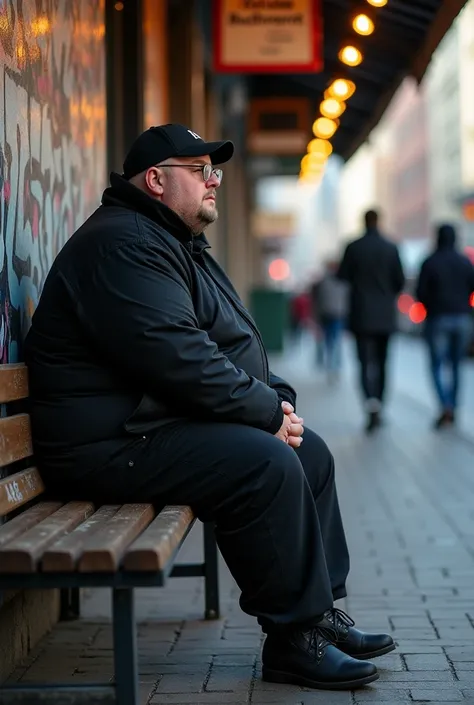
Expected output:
(371, 265)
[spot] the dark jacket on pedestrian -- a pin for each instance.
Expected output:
(371, 265)
(137, 326)
(446, 279)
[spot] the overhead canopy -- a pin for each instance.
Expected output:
(406, 35)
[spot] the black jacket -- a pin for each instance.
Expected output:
(372, 267)
(446, 279)
(136, 326)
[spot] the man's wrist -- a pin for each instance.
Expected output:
(277, 420)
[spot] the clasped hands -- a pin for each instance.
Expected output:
(292, 429)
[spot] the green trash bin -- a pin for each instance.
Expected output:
(270, 310)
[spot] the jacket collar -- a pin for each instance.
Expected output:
(124, 194)
(372, 231)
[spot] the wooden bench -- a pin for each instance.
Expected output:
(45, 543)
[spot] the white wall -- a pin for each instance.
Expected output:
(444, 131)
(357, 191)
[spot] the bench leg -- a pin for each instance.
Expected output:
(125, 647)
(211, 567)
(70, 604)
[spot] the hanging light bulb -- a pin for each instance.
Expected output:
(313, 163)
(324, 128)
(341, 88)
(362, 24)
(319, 146)
(332, 108)
(377, 3)
(350, 55)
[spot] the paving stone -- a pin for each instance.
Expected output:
(413, 648)
(291, 697)
(234, 660)
(412, 676)
(430, 697)
(391, 699)
(374, 696)
(390, 662)
(198, 699)
(180, 683)
(281, 700)
(230, 678)
(460, 653)
(463, 665)
(327, 697)
(427, 662)
(181, 668)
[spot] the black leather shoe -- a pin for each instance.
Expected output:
(354, 642)
(446, 419)
(309, 659)
(374, 421)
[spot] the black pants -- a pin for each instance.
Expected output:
(372, 351)
(278, 523)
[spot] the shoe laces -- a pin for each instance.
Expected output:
(341, 621)
(319, 640)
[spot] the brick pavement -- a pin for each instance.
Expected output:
(408, 503)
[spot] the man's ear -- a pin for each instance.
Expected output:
(154, 179)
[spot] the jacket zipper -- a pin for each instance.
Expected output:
(245, 316)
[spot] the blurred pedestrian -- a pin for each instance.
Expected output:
(445, 287)
(329, 297)
(300, 315)
(372, 267)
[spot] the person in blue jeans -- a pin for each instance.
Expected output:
(445, 287)
(329, 305)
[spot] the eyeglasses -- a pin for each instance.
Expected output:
(207, 170)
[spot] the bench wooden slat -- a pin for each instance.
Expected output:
(15, 439)
(103, 552)
(22, 554)
(63, 555)
(154, 547)
(19, 489)
(13, 382)
(26, 520)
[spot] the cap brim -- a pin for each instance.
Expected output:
(220, 152)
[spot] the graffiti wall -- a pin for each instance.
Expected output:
(52, 144)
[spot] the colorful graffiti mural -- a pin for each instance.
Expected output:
(52, 143)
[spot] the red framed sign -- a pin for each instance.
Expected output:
(268, 36)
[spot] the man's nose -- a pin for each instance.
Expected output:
(213, 180)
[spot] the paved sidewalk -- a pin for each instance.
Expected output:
(408, 503)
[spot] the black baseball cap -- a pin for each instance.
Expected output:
(159, 143)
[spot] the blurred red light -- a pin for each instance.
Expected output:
(471, 300)
(405, 302)
(279, 270)
(469, 252)
(417, 313)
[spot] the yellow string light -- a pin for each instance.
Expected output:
(362, 24)
(341, 88)
(350, 55)
(319, 146)
(332, 108)
(324, 128)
